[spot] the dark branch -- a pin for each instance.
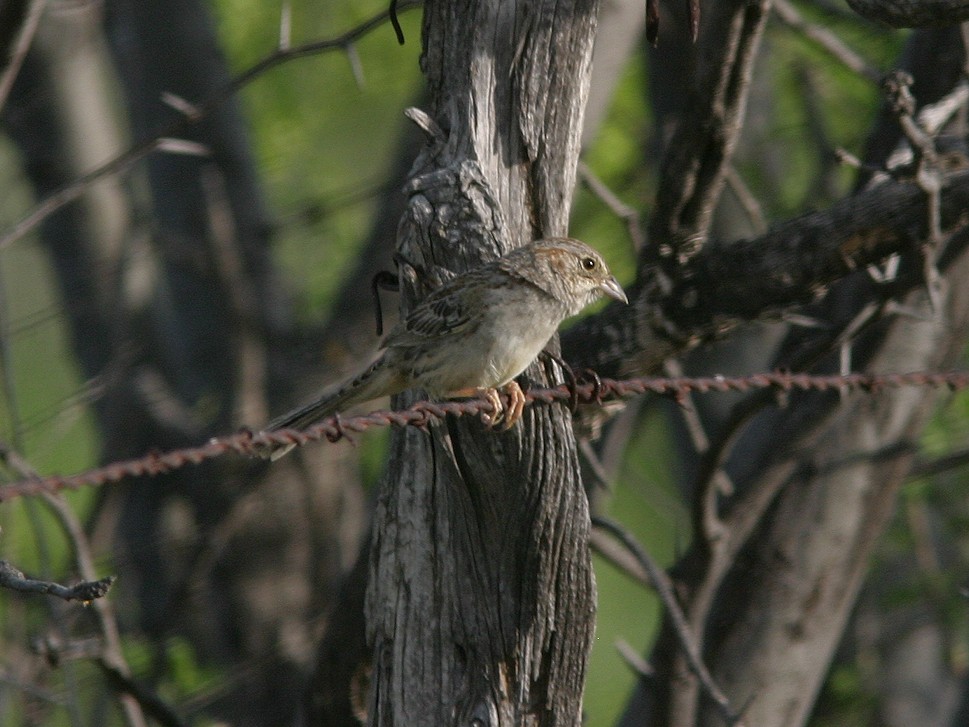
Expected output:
(912, 13)
(140, 150)
(664, 589)
(152, 704)
(85, 591)
(692, 173)
(828, 40)
(727, 283)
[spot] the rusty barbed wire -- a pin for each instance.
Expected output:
(423, 413)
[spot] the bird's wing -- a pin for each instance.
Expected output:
(446, 311)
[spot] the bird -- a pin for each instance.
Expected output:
(473, 335)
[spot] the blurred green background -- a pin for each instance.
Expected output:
(324, 138)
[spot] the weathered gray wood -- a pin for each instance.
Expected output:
(481, 596)
(802, 579)
(770, 585)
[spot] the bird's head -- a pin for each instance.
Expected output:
(577, 274)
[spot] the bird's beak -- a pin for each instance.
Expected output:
(612, 288)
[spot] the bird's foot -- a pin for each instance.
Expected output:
(494, 416)
(516, 403)
(500, 413)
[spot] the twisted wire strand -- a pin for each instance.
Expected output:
(424, 413)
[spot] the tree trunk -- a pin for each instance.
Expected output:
(770, 587)
(177, 316)
(481, 598)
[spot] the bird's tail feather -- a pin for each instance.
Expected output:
(372, 383)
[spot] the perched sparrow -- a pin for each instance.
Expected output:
(476, 333)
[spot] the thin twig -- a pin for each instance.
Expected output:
(111, 655)
(85, 591)
(634, 661)
(618, 557)
(595, 464)
(827, 40)
(286, 26)
(931, 118)
(395, 22)
(928, 176)
(154, 706)
(939, 465)
(748, 202)
(664, 589)
(719, 482)
(356, 66)
(24, 39)
(249, 348)
(626, 213)
(129, 157)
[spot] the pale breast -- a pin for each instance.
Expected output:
(518, 332)
(499, 342)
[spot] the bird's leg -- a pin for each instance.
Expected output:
(510, 414)
(516, 403)
(497, 409)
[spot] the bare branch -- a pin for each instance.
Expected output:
(21, 44)
(664, 589)
(945, 463)
(748, 202)
(128, 158)
(693, 168)
(85, 591)
(827, 40)
(727, 283)
(111, 655)
(912, 13)
(637, 663)
(620, 209)
(153, 705)
(286, 26)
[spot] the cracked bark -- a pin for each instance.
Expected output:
(481, 597)
(771, 594)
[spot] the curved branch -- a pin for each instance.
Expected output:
(694, 166)
(197, 113)
(728, 283)
(18, 25)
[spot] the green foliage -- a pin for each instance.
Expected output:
(323, 146)
(323, 142)
(643, 499)
(804, 101)
(616, 157)
(846, 701)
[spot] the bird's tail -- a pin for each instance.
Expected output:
(372, 383)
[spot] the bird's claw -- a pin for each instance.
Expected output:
(516, 403)
(500, 413)
(494, 416)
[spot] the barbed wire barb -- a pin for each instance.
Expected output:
(423, 413)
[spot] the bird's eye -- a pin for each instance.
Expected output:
(589, 263)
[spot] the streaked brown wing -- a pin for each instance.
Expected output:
(446, 311)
